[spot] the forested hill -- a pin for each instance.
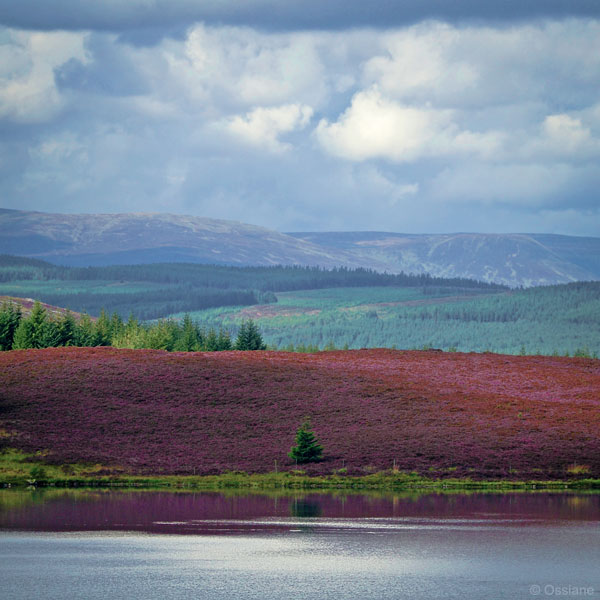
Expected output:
(276, 278)
(156, 290)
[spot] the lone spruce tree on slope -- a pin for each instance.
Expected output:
(307, 448)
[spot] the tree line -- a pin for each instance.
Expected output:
(278, 278)
(39, 330)
(157, 290)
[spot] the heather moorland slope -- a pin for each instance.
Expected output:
(441, 414)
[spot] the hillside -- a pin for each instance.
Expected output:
(308, 307)
(26, 306)
(156, 290)
(118, 239)
(541, 320)
(441, 414)
(511, 259)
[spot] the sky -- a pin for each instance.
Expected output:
(415, 116)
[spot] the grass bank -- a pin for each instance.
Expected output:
(22, 470)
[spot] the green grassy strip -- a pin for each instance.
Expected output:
(21, 470)
(290, 480)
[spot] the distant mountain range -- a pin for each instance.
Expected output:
(103, 239)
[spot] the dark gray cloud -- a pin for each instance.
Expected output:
(169, 16)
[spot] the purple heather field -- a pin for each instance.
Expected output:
(442, 414)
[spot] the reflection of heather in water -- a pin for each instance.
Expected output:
(164, 512)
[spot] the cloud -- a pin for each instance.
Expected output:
(429, 127)
(109, 69)
(376, 127)
(566, 138)
(422, 64)
(263, 126)
(28, 92)
(474, 67)
(241, 67)
(274, 15)
(568, 135)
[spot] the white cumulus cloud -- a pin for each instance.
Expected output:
(377, 127)
(263, 126)
(566, 132)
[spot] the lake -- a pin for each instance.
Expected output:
(165, 545)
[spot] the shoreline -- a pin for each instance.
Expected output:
(19, 470)
(294, 481)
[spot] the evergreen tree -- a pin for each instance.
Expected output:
(131, 335)
(116, 326)
(23, 337)
(132, 323)
(49, 335)
(10, 316)
(85, 334)
(211, 341)
(66, 330)
(307, 448)
(188, 338)
(161, 336)
(32, 331)
(249, 337)
(224, 340)
(103, 330)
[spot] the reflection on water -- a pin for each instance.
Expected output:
(211, 512)
(301, 507)
(95, 545)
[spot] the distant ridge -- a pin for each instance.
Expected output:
(138, 238)
(512, 258)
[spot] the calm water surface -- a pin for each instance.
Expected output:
(146, 545)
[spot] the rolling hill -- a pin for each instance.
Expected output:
(511, 259)
(26, 306)
(542, 320)
(118, 239)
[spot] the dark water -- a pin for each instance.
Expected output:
(60, 544)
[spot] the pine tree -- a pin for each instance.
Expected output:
(307, 448)
(211, 341)
(116, 326)
(224, 340)
(103, 329)
(249, 337)
(66, 330)
(10, 316)
(188, 340)
(85, 335)
(31, 332)
(161, 336)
